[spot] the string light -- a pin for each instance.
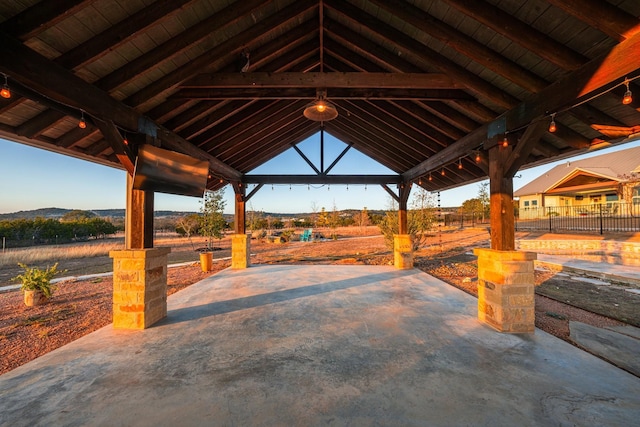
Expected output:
(460, 163)
(365, 187)
(5, 92)
(289, 187)
(347, 187)
(430, 177)
(552, 125)
(628, 97)
(505, 141)
(420, 181)
(442, 172)
(82, 124)
(125, 141)
(478, 158)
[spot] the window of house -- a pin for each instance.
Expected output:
(526, 203)
(612, 197)
(534, 203)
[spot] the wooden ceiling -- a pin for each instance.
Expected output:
(420, 86)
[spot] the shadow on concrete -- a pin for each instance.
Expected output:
(237, 304)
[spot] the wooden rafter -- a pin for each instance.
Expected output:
(521, 33)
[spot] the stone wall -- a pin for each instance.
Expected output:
(606, 251)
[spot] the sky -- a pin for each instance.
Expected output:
(33, 178)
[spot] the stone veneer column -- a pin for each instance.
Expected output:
(240, 251)
(506, 290)
(402, 251)
(139, 287)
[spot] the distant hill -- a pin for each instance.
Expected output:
(53, 213)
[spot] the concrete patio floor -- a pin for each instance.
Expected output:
(288, 345)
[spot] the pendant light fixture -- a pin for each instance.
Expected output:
(320, 110)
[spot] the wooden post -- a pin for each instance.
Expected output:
(403, 197)
(501, 201)
(402, 246)
(138, 218)
(240, 242)
(240, 218)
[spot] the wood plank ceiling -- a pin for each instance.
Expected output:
(420, 86)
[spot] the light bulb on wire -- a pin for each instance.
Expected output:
(552, 125)
(628, 96)
(5, 92)
(82, 124)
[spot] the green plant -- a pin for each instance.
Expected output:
(37, 279)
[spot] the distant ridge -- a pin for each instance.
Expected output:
(53, 213)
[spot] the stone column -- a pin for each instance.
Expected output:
(139, 287)
(240, 251)
(402, 251)
(506, 290)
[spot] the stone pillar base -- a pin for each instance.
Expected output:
(240, 251)
(506, 290)
(139, 287)
(402, 252)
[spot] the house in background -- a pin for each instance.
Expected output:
(610, 182)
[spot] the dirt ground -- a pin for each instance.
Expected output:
(80, 307)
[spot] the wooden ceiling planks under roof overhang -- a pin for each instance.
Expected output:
(420, 86)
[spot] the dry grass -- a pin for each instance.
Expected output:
(41, 254)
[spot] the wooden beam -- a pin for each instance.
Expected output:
(310, 94)
(524, 147)
(464, 44)
(120, 33)
(512, 28)
(61, 86)
(614, 22)
(622, 60)
(40, 17)
(215, 57)
(322, 179)
(112, 136)
(478, 86)
(40, 123)
(221, 21)
(323, 80)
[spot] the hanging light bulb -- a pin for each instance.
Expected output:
(365, 187)
(347, 187)
(5, 92)
(420, 181)
(628, 97)
(505, 141)
(552, 125)
(442, 172)
(460, 163)
(125, 141)
(82, 124)
(289, 187)
(430, 177)
(478, 158)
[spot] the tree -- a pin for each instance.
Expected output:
(322, 219)
(212, 222)
(483, 196)
(77, 215)
(420, 218)
(187, 226)
(362, 219)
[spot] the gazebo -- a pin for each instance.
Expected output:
(192, 94)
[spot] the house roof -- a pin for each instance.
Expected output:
(615, 166)
(419, 86)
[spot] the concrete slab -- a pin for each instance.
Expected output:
(613, 272)
(631, 331)
(616, 347)
(319, 345)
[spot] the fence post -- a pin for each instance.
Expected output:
(549, 215)
(600, 207)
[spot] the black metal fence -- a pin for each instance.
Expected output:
(604, 217)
